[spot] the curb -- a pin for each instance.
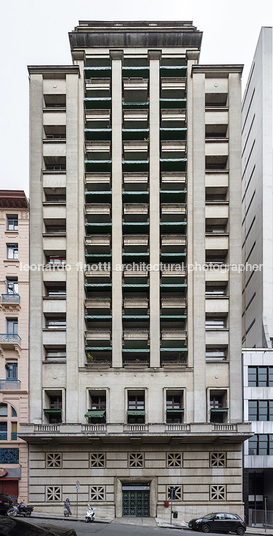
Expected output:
(68, 518)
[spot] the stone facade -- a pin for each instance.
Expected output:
(14, 311)
(135, 329)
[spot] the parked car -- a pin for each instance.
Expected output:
(5, 503)
(219, 522)
(10, 526)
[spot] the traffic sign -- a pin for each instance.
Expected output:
(78, 484)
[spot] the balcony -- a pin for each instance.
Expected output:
(10, 385)
(97, 118)
(10, 339)
(135, 89)
(99, 335)
(135, 118)
(173, 118)
(172, 148)
(97, 305)
(200, 432)
(98, 212)
(97, 181)
(10, 302)
(135, 212)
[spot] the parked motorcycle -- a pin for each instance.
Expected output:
(19, 509)
(90, 514)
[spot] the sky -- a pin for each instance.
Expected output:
(35, 32)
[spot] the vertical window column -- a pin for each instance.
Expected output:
(116, 56)
(154, 178)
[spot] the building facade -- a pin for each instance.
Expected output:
(135, 325)
(257, 195)
(258, 450)
(14, 316)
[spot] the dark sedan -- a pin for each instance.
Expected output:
(219, 522)
(15, 527)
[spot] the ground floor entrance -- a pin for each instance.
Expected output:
(9, 487)
(136, 501)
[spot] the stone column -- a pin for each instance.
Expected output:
(235, 248)
(72, 234)
(36, 246)
(116, 56)
(197, 134)
(154, 178)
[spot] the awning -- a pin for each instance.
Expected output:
(136, 412)
(95, 413)
(52, 411)
(219, 410)
(180, 410)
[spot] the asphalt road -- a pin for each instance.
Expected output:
(115, 529)
(112, 529)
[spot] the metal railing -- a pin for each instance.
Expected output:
(10, 298)
(260, 518)
(10, 385)
(10, 338)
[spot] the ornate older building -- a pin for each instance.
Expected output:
(14, 316)
(135, 325)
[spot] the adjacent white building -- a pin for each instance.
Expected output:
(135, 359)
(257, 196)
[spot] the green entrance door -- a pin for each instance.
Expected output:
(136, 503)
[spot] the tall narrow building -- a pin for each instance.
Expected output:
(135, 326)
(14, 317)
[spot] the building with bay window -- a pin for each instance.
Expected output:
(135, 323)
(14, 281)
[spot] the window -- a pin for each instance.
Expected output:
(3, 431)
(97, 459)
(56, 259)
(53, 460)
(215, 229)
(217, 459)
(215, 258)
(177, 493)
(260, 410)
(260, 376)
(218, 354)
(13, 431)
(56, 353)
(12, 251)
(53, 493)
(11, 371)
(218, 409)
(215, 322)
(55, 101)
(174, 407)
(12, 326)
(215, 290)
(56, 322)
(12, 223)
(97, 412)
(53, 412)
(261, 444)
(9, 455)
(174, 459)
(12, 286)
(56, 291)
(136, 408)
(55, 229)
(136, 459)
(3, 410)
(217, 493)
(97, 493)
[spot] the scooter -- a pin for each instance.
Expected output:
(90, 514)
(19, 509)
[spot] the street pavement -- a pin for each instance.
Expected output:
(118, 523)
